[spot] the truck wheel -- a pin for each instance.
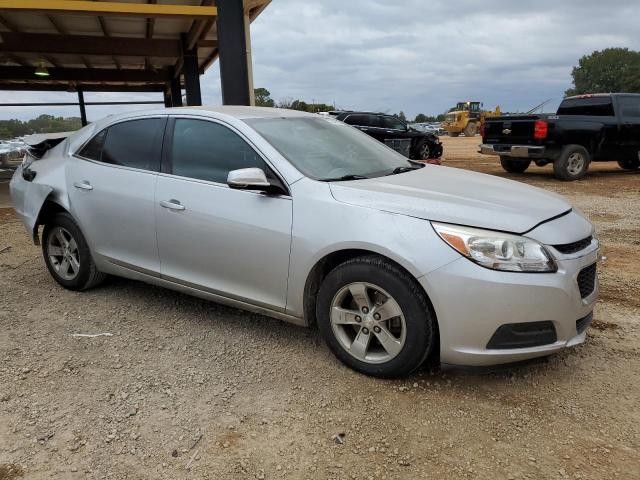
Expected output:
(572, 164)
(454, 134)
(470, 130)
(629, 163)
(514, 166)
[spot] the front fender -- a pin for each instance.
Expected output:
(27, 199)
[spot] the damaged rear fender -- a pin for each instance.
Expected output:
(28, 199)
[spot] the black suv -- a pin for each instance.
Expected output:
(424, 146)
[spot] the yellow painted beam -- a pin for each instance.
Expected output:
(83, 7)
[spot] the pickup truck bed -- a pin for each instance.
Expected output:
(585, 128)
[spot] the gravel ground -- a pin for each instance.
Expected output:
(184, 388)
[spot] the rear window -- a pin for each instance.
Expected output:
(629, 107)
(593, 106)
(134, 144)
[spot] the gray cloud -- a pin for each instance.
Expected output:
(415, 55)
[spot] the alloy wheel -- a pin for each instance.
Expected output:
(368, 322)
(575, 164)
(63, 253)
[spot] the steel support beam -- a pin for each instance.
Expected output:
(85, 87)
(43, 43)
(83, 7)
(176, 92)
(83, 110)
(232, 46)
(191, 74)
(167, 98)
(87, 74)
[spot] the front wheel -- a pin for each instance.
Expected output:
(470, 130)
(572, 164)
(423, 150)
(375, 317)
(514, 166)
(67, 254)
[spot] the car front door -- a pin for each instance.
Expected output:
(111, 183)
(224, 241)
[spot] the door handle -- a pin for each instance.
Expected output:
(83, 185)
(171, 204)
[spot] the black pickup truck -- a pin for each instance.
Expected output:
(599, 127)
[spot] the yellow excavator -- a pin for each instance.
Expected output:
(466, 118)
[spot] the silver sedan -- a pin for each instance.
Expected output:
(308, 220)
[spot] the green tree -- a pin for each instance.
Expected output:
(609, 70)
(420, 118)
(263, 97)
(42, 124)
(402, 116)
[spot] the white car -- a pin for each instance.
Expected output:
(309, 220)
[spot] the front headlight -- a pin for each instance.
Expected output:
(497, 250)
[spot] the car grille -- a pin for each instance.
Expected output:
(587, 280)
(569, 248)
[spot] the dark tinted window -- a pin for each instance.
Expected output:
(209, 151)
(394, 123)
(93, 149)
(594, 106)
(629, 107)
(357, 119)
(134, 143)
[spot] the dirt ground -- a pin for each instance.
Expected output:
(187, 389)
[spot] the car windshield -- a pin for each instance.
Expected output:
(327, 149)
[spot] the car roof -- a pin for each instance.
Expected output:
(592, 95)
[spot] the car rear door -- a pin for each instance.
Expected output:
(629, 115)
(228, 242)
(111, 183)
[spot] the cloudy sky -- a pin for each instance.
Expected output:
(418, 56)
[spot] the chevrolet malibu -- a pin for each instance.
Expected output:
(308, 220)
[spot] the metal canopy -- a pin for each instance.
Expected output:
(116, 45)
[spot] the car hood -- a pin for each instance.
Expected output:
(456, 196)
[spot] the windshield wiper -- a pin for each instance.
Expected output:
(345, 177)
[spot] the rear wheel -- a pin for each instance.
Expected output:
(572, 164)
(67, 254)
(514, 166)
(630, 163)
(470, 130)
(375, 318)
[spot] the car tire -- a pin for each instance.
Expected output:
(387, 290)
(572, 164)
(454, 134)
(67, 254)
(514, 166)
(423, 150)
(630, 163)
(470, 130)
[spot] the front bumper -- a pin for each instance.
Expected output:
(472, 302)
(515, 151)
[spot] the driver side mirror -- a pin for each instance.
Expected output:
(248, 179)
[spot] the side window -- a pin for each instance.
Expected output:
(93, 149)
(393, 123)
(374, 121)
(630, 107)
(592, 106)
(134, 144)
(209, 151)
